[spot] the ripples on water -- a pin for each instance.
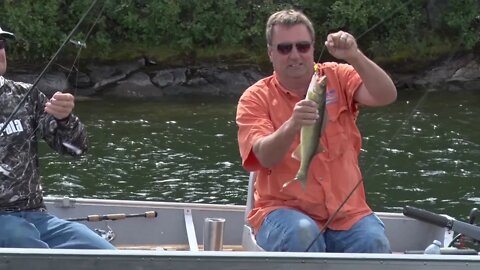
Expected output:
(427, 157)
(187, 152)
(165, 151)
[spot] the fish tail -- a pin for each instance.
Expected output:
(300, 177)
(287, 183)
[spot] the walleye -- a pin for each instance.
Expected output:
(310, 135)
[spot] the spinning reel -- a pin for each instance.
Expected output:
(466, 241)
(462, 241)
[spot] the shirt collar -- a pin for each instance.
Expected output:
(279, 86)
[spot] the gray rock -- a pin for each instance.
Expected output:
(137, 80)
(138, 85)
(80, 80)
(49, 84)
(169, 77)
(469, 72)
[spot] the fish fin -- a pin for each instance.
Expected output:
(297, 154)
(302, 179)
(304, 185)
(322, 130)
(325, 121)
(319, 148)
(287, 184)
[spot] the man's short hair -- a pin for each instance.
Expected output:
(288, 17)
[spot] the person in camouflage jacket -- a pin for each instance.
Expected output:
(24, 219)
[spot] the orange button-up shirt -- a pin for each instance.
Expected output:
(332, 175)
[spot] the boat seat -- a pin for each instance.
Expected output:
(248, 238)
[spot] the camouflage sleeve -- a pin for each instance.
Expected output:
(66, 137)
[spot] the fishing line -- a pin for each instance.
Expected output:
(83, 44)
(404, 123)
(374, 26)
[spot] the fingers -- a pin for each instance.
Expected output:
(63, 96)
(60, 105)
(340, 40)
(305, 113)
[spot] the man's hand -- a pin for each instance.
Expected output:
(60, 105)
(305, 113)
(271, 149)
(342, 45)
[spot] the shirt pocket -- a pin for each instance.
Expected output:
(336, 138)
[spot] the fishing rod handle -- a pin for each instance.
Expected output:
(93, 218)
(427, 216)
(151, 214)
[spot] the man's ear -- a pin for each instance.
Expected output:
(269, 51)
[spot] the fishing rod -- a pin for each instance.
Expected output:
(37, 80)
(120, 216)
(464, 228)
(82, 44)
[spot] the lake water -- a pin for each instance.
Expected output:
(423, 150)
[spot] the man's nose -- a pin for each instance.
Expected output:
(294, 53)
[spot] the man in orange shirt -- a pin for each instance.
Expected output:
(270, 115)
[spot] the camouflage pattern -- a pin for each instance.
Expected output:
(20, 183)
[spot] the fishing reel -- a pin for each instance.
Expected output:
(462, 241)
(108, 235)
(468, 234)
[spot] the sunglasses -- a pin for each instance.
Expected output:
(3, 44)
(286, 48)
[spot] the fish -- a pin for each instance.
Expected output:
(310, 135)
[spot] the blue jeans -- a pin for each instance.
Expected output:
(291, 230)
(42, 230)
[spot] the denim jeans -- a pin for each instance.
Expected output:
(291, 230)
(42, 230)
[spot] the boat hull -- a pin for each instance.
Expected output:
(173, 240)
(23, 259)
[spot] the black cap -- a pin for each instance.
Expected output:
(5, 34)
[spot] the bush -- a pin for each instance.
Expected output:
(175, 28)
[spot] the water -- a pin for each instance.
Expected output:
(430, 160)
(423, 155)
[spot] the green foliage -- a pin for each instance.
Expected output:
(35, 26)
(463, 18)
(166, 29)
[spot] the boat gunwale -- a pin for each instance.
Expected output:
(240, 254)
(156, 204)
(179, 205)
